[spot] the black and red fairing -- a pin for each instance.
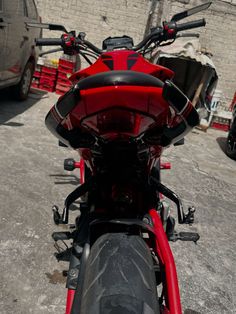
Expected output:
(122, 104)
(122, 60)
(133, 94)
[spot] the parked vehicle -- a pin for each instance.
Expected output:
(231, 139)
(120, 115)
(17, 54)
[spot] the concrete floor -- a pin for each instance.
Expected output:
(32, 179)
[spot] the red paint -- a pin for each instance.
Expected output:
(164, 310)
(136, 107)
(69, 300)
(165, 165)
(119, 59)
(171, 32)
(77, 164)
(80, 165)
(172, 297)
(82, 171)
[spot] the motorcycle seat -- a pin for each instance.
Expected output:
(119, 78)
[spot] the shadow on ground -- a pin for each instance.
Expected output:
(66, 179)
(222, 142)
(10, 108)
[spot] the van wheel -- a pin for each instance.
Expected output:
(21, 90)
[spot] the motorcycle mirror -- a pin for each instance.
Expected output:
(51, 27)
(184, 14)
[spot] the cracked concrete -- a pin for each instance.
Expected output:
(205, 177)
(32, 180)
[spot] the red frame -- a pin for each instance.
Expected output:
(172, 295)
(69, 300)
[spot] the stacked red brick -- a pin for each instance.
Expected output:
(48, 78)
(65, 69)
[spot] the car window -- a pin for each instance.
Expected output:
(13, 8)
(31, 9)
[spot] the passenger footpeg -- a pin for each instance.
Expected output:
(62, 236)
(184, 236)
(63, 256)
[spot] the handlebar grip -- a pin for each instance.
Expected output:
(190, 25)
(49, 42)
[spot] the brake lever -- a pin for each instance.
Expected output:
(49, 51)
(188, 35)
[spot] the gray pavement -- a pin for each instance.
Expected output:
(32, 179)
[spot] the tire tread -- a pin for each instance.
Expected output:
(119, 277)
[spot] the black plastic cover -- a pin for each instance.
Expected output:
(111, 43)
(184, 109)
(119, 78)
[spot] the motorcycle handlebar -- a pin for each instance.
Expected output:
(156, 35)
(190, 25)
(159, 34)
(49, 42)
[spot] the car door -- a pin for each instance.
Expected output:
(3, 41)
(17, 41)
(32, 16)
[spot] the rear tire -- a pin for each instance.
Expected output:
(119, 277)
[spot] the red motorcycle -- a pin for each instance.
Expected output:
(120, 114)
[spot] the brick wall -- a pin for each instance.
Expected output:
(103, 18)
(98, 18)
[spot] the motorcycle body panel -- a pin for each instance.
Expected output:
(123, 60)
(118, 98)
(119, 111)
